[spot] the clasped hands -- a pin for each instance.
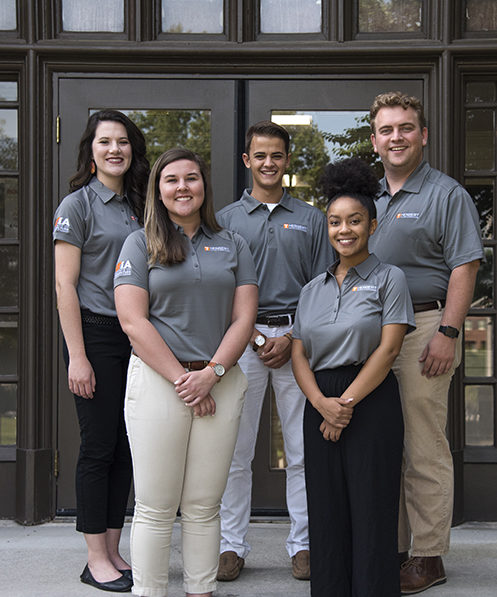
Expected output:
(194, 387)
(336, 413)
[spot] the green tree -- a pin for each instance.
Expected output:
(389, 15)
(356, 142)
(164, 129)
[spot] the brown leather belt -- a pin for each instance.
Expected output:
(194, 365)
(428, 306)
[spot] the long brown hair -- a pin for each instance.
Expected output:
(135, 179)
(164, 243)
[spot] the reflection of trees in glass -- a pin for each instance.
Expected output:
(389, 15)
(356, 142)
(484, 287)
(9, 276)
(164, 129)
(309, 157)
(481, 15)
(482, 195)
(8, 150)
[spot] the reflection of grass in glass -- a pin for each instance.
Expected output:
(7, 431)
(278, 459)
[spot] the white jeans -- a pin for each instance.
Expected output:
(179, 461)
(290, 402)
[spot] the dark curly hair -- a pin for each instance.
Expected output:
(135, 179)
(351, 177)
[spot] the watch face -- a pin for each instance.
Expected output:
(260, 340)
(219, 369)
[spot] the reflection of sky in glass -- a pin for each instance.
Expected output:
(8, 91)
(8, 123)
(335, 122)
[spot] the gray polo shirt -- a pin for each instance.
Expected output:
(97, 221)
(290, 246)
(428, 228)
(342, 325)
(190, 303)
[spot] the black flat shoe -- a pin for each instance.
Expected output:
(128, 573)
(120, 585)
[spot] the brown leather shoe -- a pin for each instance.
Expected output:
(230, 565)
(403, 557)
(301, 568)
(420, 573)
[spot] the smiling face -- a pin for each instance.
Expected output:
(349, 229)
(181, 189)
(268, 161)
(112, 154)
(399, 140)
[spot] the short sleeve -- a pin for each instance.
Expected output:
(132, 264)
(245, 272)
(397, 303)
(70, 220)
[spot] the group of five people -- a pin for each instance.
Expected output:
(268, 291)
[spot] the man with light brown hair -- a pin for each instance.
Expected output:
(428, 226)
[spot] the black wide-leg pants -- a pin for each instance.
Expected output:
(104, 470)
(353, 490)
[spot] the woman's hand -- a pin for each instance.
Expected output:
(194, 386)
(81, 377)
(205, 407)
(330, 432)
(336, 411)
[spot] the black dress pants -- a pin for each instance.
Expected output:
(104, 471)
(353, 488)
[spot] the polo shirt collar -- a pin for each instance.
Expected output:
(363, 269)
(251, 203)
(202, 228)
(102, 191)
(413, 184)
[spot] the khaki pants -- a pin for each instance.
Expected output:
(427, 485)
(179, 461)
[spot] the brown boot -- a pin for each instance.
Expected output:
(230, 565)
(403, 557)
(301, 568)
(420, 573)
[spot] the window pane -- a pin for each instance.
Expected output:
(482, 191)
(9, 276)
(480, 91)
(278, 458)
(377, 16)
(164, 129)
(8, 139)
(483, 297)
(8, 16)
(192, 16)
(8, 208)
(8, 344)
(317, 137)
(8, 91)
(93, 15)
(290, 16)
(479, 401)
(481, 15)
(8, 412)
(480, 148)
(478, 347)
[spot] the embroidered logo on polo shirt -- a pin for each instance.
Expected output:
(300, 227)
(123, 268)
(409, 215)
(218, 249)
(364, 287)
(62, 225)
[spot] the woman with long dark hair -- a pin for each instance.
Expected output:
(186, 295)
(349, 327)
(105, 205)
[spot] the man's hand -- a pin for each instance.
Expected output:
(438, 355)
(276, 352)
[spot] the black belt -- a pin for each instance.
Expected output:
(419, 307)
(276, 319)
(97, 319)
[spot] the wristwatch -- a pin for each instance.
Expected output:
(259, 341)
(449, 331)
(219, 370)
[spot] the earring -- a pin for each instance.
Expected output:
(93, 167)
